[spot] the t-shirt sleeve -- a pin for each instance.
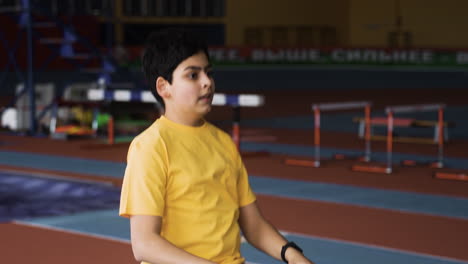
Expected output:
(244, 191)
(144, 184)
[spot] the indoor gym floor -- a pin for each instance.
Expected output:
(336, 215)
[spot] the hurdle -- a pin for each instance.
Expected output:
(440, 124)
(451, 176)
(317, 109)
(390, 111)
(235, 101)
(405, 122)
(110, 131)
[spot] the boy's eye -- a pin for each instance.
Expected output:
(193, 75)
(209, 74)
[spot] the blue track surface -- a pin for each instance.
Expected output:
(369, 197)
(104, 223)
(108, 224)
(59, 163)
(327, 251)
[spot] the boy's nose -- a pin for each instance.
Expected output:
(206, 81)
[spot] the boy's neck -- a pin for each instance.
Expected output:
(187, 121)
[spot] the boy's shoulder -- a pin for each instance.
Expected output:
(150, 136)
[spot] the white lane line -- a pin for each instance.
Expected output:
(74, 232)
(54, 176)
(284, 233)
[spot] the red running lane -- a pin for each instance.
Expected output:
(440, 236)
(27, 244)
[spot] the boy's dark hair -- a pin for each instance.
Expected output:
(165, 50)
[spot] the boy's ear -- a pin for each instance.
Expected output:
(162, 87)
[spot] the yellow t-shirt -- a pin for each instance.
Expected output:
(194, 178)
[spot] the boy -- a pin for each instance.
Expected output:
(185, 188)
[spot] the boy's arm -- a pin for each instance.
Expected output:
(261, 234)
(150, 247)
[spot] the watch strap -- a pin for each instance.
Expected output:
(286, 246)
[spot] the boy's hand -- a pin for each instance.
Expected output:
(295, 257)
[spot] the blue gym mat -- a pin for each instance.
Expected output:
(25, 196)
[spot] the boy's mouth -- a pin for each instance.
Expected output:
(206, 97)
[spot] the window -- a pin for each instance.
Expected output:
(253, 37)
(9, 3)
(132, 8)
(400, 39)
(307, 36)
(195, 8)
(279, 37)
(175, 8)
(73, 7)
(328, 36)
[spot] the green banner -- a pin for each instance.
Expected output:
(330, 56)
(340, 56)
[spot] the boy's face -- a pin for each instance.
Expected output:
(191, 92)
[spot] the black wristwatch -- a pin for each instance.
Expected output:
(288, 245)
